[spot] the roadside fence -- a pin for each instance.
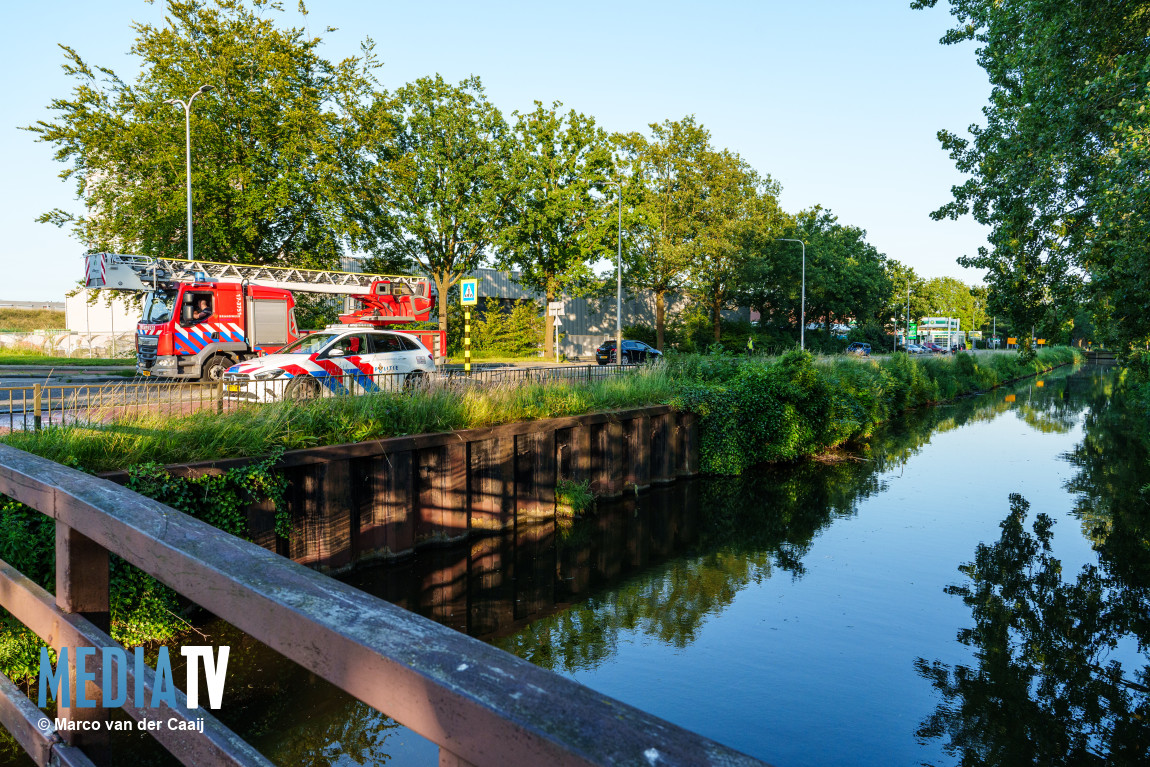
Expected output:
(40, 406)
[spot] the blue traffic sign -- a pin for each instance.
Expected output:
(469, 292)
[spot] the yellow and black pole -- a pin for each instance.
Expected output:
(468, 297)
(467, 341)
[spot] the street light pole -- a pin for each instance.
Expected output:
(906, 338)
(187, 105)
(618, 274)
(973, 315)
(619, 284)
(803, 300)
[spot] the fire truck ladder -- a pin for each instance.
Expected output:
(126, 272)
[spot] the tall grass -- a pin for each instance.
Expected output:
(256, 430)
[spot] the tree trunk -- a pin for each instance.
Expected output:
(716, 314)
(549, 331)
(441, 282)
(660, 318)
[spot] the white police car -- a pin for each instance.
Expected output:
(342, 359)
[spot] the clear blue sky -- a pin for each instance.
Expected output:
(839, 100)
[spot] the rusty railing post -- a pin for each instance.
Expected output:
(219, 397)
(82, 587)
(37, 401)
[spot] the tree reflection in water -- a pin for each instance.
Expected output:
(1045, 690)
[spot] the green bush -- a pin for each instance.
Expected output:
(515, 331)
(142, 609)
(781, 409)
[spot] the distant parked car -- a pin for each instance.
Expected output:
(633, 352)
(934, 348)
(915, 349)
(859, 348)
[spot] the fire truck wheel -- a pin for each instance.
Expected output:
(301, 388)
(213, 369)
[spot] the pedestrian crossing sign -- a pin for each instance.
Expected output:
(469, 292)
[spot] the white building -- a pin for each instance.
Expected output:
(100, 316)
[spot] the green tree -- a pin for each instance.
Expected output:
(265, 169)
(665, 197)
(1057, 171)
(429, 180)
(846, 276)
(946, 296)
(552, 226)
(906, 286)
(740, 212)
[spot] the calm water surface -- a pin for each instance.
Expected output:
(971, 587)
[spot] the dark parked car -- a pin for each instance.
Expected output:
(633, 352)
(933, 347)
(859, 348)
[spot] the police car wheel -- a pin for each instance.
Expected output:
(414, 380)
(301, 388)
(213, 369)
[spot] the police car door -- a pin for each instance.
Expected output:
(388, 359)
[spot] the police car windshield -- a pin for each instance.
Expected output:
(308, 344)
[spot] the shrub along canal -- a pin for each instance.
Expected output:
(817, 613)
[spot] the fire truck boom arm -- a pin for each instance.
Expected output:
(126, 272)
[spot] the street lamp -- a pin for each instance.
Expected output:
(803, 300)
(619, 278)
(187, 105)
(973, 316)
(906, 338)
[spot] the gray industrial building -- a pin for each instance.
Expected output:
(587, 322)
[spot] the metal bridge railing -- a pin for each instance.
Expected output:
(480, 705)
(51, 405)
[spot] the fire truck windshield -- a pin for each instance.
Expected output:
(158, 306)
(309, 344)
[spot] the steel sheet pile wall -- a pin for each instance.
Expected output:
(367, 500)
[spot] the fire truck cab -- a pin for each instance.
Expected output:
(200, 329)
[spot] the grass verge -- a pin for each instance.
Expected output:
(34, 357)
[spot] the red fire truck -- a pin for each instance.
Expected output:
(202, 317)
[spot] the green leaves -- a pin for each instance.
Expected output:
(552, 229)
(1057, 171)
(428, 179)
(266, 173)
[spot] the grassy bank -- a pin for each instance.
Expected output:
(794, 406)
(764, 409)
(27, 320)
(287, 425)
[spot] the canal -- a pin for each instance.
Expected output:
(969, 587)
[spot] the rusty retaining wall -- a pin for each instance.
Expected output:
(369, 500)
